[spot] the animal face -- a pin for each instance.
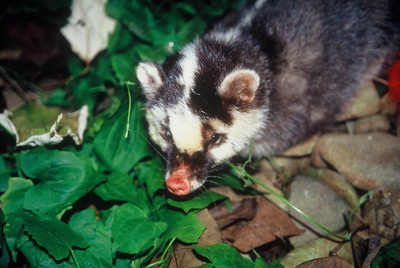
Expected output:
(198, 119)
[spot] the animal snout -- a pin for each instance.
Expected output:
(179, 183)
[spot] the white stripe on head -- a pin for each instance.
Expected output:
(185, 128)
(226, 36)
(156, 117)
(245, 126)
(189, 66)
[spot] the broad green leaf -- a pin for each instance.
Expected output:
(63, 179)
(144, 259)
(113, 149)
(103, 69)
(53, 235)
(12, 207)
(99, 253)
(37, 257)
(222, 255)
(152, 173)
(120, 40)
(133, 229)
(4, 174)
(58, 98)
(5, 257)
(185, 227)
(136, 16)
(124, 65)
(200, 201)
(121, 187)
(388, 256)
(86, 89)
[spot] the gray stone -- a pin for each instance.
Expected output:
(340, 185)
(368, 161)
(366, 102)
(303, 149)
(320, 203)
(371, 124)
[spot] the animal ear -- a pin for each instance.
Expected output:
(150, 76)
(239, 86)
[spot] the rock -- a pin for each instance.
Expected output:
(366, 102)
(319, 248)
(320, 203)
(332, 262)
(371, 124)
(340, 185)
(368, 161)
(276, 171)
(302, 149)
(293, 166)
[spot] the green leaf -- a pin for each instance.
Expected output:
(222, 255)
(63, 179)
(136, 16)
(124, 65)
(388, 256)
(4, 174)
(37, 257)
(120, 40)
(99, 253)
(53, 235)
(185, 227)
(58, 98)
(133, 230)
(121, 187)
(86, 89)
(12, 207)
(200, 201)
(152, 173)
(113, 149)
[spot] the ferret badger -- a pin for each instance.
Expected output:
(275, 73)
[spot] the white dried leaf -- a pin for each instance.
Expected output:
(53, 137)
(88, 28)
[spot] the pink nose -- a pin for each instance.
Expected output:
(178, 183)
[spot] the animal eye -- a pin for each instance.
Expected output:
(168, 134)
(215, 139)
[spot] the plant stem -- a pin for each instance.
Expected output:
(128, 119)
(244, 173)
(163, 255)
(74, 258)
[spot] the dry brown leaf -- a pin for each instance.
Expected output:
(243, 210)
(269, 223)
(331, 262)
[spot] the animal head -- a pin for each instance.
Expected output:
(201, 111)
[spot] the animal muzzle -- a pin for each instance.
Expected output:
(179, 181)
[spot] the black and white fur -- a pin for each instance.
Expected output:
(275, 73)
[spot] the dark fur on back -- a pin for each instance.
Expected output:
(314, 55)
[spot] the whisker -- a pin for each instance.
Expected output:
(163, 157)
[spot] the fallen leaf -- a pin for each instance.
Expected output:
(88, 28)
(244, 210)
(38, 126)
(331, 262)
(269, 223)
